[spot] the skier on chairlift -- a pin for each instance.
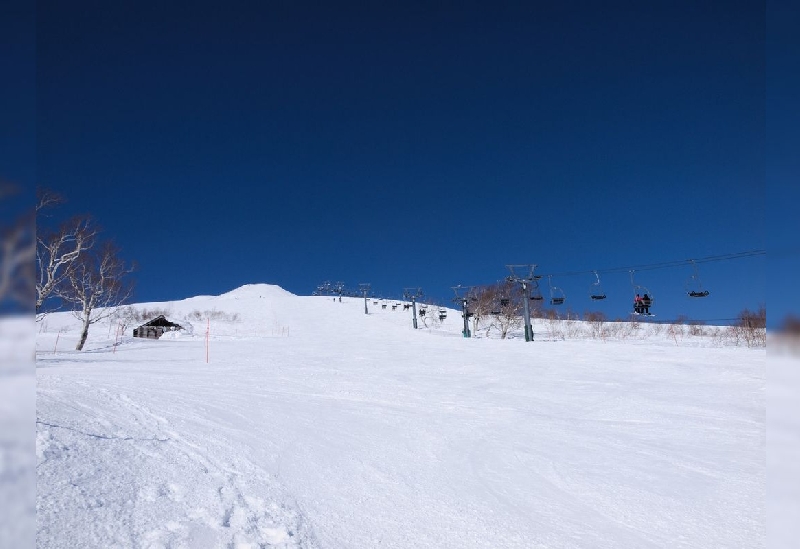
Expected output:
(646, 302)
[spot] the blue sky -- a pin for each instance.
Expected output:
(409, 145)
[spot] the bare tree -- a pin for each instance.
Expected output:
(58, 251)
(751, 327)
(596, 321)
(480, 299)
(45, 198)
(95, 285)
(791, 326)
(509, 308)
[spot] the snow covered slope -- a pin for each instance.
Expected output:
(315, 425)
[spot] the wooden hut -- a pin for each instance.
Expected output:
(156, 328)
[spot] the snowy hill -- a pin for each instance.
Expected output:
(277, 420)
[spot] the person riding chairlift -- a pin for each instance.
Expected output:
(646, 302)
(638, 304)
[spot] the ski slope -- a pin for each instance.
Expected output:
(313, 425)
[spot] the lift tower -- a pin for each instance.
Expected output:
(462, 297)
(413, 294)
(365, 290)
(525, 281)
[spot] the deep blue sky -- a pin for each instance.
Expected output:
(413, 145)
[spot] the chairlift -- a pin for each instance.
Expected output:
(645, 294)
(536, 293)
(442, 313)
(596, 292)
(694, 287)
(557, 296)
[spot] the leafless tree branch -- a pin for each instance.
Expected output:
(57, 253)
(96, 285)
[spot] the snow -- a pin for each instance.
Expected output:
(17, 437)
(783, 457)
(314, 425)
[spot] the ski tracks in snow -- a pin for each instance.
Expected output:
(220, 500)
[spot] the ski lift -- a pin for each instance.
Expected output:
(642, 308)
(596, 289)
(442, 313)
(694, 288)
(557, 296)
(536, 293)
(496, 308)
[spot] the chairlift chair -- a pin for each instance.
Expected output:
(557, 296)
(694, 287)
(642, 291)
(495, 310)
(596, 292)
(536, 293)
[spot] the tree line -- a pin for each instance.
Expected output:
(499, 308)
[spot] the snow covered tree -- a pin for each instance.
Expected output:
(480, 301)
(57, 251)
(95, 285)
(509, 308)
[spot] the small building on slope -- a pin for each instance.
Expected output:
(156, 328)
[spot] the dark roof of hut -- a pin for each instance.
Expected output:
(161, 320)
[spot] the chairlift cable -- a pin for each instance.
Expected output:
(667, 264)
